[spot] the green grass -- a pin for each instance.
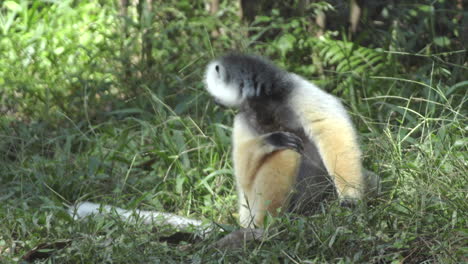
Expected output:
(419, 216)
(74, 127)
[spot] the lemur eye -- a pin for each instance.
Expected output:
(217, 69)
(241, 86)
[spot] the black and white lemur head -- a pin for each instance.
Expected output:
(235, 78)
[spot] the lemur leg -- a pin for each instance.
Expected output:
(274, 182)
(338, 146)
(265, 168)
(245, 218)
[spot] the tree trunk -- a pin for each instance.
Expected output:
(125, 58)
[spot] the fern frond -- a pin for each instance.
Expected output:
(351, 62)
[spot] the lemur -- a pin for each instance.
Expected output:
(288, 137)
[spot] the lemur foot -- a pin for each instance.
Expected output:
(348, 203)
(351, 197)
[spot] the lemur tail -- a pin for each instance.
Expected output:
(85, 209)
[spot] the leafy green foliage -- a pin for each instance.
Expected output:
(87, 113)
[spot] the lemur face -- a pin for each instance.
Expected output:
(235, 78)
(221, 85)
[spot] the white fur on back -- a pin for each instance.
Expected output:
(309, 100)
(226, 94)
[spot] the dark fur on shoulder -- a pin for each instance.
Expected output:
(265, 87)
(256, 76)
